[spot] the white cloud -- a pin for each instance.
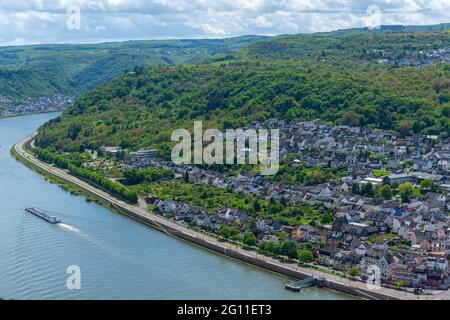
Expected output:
(263, 22)
(43, 21)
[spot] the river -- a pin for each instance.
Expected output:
(118, 257)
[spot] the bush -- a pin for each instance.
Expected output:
(305, 256)
(105, 183)
(353, 272)
(134, 176)
(249, 239)
(289, 249)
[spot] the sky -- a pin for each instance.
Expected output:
(85, 21)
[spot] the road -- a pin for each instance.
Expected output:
(169, 226)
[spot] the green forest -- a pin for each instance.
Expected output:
(142, 109)
(350, 49)
(332, 77)
(45, 70)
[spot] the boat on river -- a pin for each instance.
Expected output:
(44, 215)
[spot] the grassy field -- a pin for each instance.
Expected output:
(380, 173)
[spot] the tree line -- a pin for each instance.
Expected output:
(75, 168)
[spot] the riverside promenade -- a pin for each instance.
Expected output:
(170, 227)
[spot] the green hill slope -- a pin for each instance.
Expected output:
(43, 70)
(352, 48)
(360, 80)
(141, 109)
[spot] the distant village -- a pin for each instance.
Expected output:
(409, 241)
(413, 58)
(55, 103)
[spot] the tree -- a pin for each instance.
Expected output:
(350, 118)
(355, 189)
(227, 124)
(267, 247)
(427, 184)
(252, 224)
(257, 206)
(314, 178)
(405, 127)
(405, 190)
(353, 272)
(226, 231)
(249, 239)
(327, 218)
(386, 192)
(444, 97)
(74, 130)
(406, 187)
(284, 103)
(305, 256)
(368, 189)
(308, 245)
(289, 249)
(290, 115)
(134, 176)
(446, 111)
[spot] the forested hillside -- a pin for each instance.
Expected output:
(349, 49)
(44, 70)
(142, 108)
(18, 85)
(393, 81)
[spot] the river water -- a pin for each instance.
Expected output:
(118, 257)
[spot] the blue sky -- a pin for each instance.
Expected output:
(46, 21)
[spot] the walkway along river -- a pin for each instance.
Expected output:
(119, 257)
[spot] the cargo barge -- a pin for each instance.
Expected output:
(44, 215)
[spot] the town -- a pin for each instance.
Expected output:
(55, 103)
(385, 201)
(413, 58)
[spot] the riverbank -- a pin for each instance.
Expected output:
(170, 227)
(28, 114)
